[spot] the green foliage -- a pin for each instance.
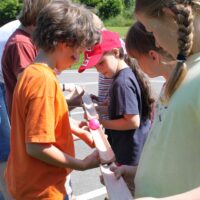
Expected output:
(9, 9)
(112, 12)
(76, 1)
(121, 30)
(110, 8)
(128, 13)
(118, 21)
(90, 3)
(129, 3)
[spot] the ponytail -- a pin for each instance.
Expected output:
(175, 80)
(146, 96)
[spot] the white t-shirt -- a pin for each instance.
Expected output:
(5, 32)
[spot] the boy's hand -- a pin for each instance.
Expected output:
(74, 96)
(84, 135)
(83, 124)
(124, 170)
(80, 129)
(91, 161)
(94, 98)
(102, 107)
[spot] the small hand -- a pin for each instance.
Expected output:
(94, 97)
(74, 96)
(80, 129)
(124, 170)
(83, 124)
(86, 136)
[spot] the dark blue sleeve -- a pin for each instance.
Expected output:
(126, 100)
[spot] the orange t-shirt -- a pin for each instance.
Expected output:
(39, 115)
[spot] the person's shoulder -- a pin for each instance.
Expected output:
(40, 69)
(130, 75)
(39, 74)
(6, 31)
(125, 76)
(32, 71)
(19, 38)
(18, 42)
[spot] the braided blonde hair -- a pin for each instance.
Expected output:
(183, 11)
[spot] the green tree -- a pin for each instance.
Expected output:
(9, 9)
(90, 3)
(110, 8)
(76, 1)
(128, 3)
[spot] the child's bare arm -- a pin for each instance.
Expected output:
(50, 154)
(128, 122)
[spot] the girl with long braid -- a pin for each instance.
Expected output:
(170, 161)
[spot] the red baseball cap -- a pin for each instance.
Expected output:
(92, 56)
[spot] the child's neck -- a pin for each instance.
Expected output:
(121, 65)
(27, 29)
(167, 69)
(44, 58)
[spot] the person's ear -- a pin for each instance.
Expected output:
(154, 56)
(61, 45)
(116, 52)
(169, 13)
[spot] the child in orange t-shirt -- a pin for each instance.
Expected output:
(42, 149)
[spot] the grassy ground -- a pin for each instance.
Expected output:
(122, 32)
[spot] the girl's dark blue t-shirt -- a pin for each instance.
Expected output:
(125, 98)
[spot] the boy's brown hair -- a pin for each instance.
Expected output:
(66, 22)
(30, 11)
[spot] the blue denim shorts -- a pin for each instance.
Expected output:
(66, 198)
(4, 127)
(1, 196)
